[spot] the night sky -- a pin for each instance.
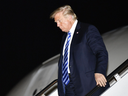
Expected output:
(29, 37)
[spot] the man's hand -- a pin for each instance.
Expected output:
(100, 79)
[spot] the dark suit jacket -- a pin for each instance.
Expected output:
(88, 55)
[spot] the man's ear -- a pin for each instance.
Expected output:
(69, 17)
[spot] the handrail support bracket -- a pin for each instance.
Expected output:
(117, 77)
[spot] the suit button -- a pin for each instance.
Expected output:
(70, 66)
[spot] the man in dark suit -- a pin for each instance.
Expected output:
(87, 56)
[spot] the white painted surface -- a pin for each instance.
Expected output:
(38, 79)
(116, 42)
(118, 89)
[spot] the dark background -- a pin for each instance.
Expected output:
(29, 37)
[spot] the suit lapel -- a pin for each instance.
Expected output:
(75, 36)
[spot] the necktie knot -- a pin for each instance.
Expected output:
(69, 34)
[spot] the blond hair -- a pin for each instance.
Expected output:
(66, 10)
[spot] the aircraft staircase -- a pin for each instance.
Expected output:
(118, 80)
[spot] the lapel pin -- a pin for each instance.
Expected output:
(77, 32)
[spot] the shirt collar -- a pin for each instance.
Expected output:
(73, 27)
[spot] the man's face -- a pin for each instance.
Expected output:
(64, 23)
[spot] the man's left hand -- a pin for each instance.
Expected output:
(100, 79)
